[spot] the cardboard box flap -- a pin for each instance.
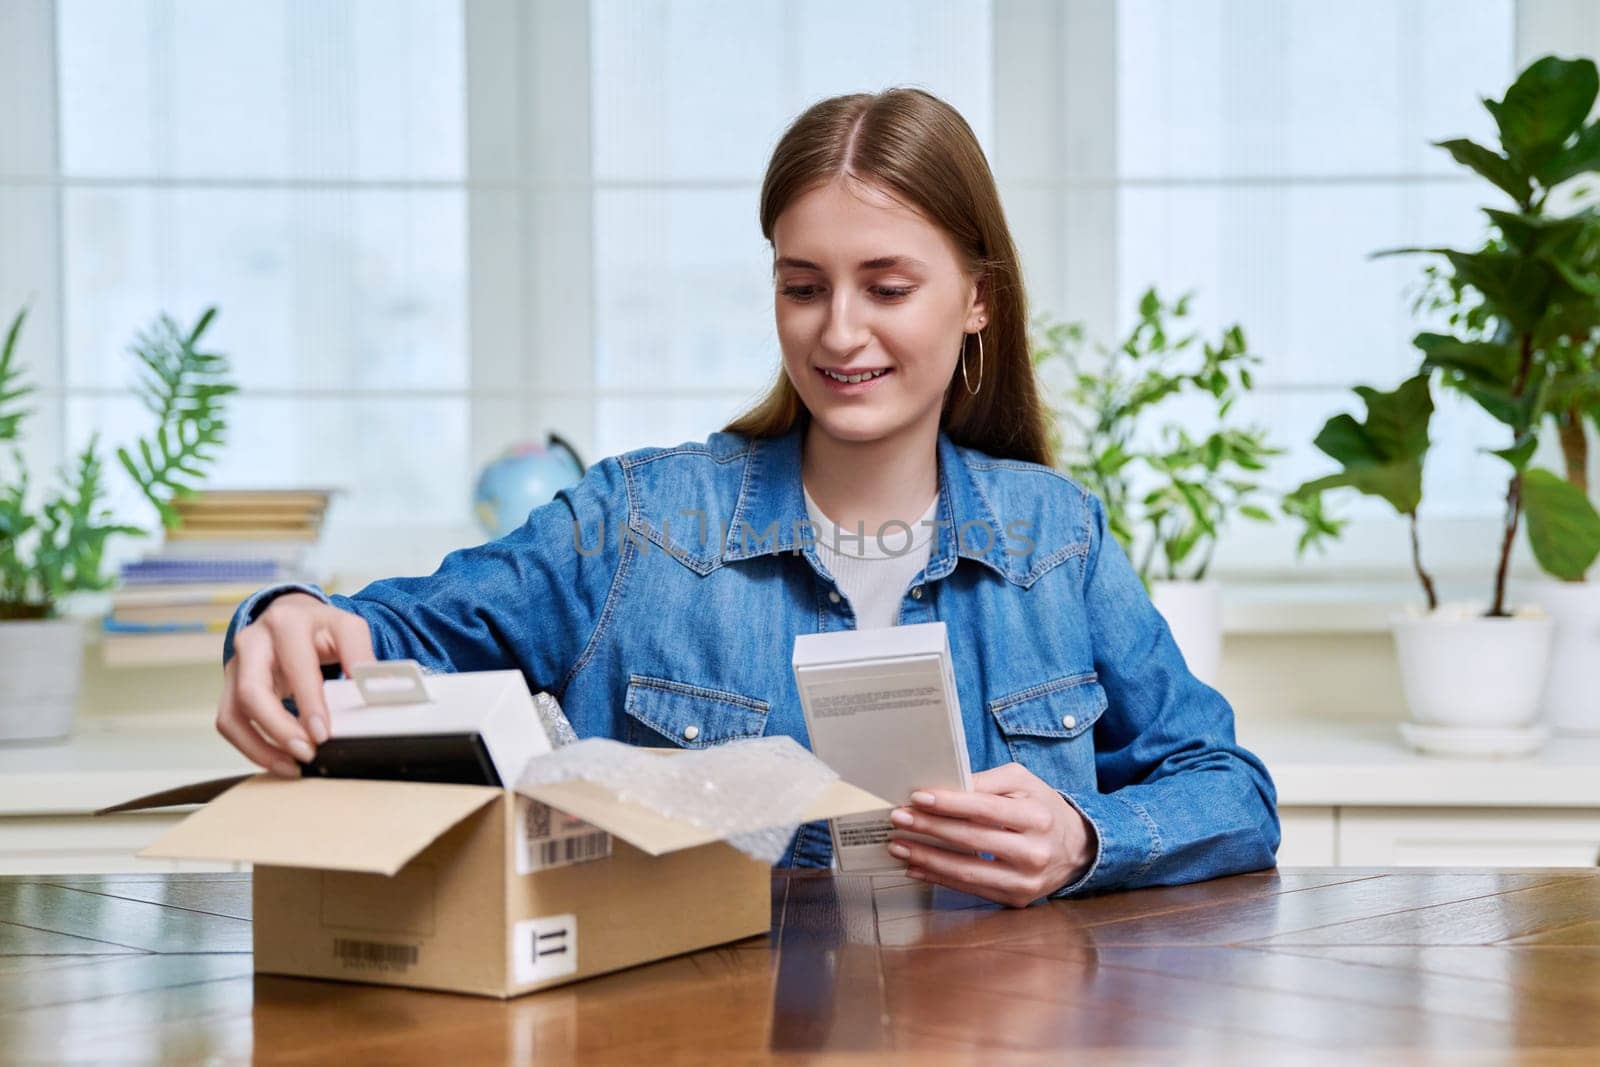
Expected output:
(842, 798)
(193, 793)
(325, 823)
(657, 834)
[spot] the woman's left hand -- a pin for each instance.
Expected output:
(1039, 841)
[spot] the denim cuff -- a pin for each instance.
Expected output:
(253, 607)
(1127, 843)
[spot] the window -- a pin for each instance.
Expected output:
(1264, 151)
(435, 228)
(302, 167)
(688, 100)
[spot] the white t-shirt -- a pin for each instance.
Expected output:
(874, 571)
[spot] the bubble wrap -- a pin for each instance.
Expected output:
(752, 793)
(554, 721)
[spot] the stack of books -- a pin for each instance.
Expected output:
(174, 604)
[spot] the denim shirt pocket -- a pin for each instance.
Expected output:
(663, 713)
(1049, 728)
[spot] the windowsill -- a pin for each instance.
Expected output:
(1357, 605)
(1264, 609)
(1336, 761)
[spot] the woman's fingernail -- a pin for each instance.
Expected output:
(302, 751)
(285, 769)
(900, 817)
(899, 851)
(319, 729)
(912, 873)
(925, 799)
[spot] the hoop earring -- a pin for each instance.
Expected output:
(970, 390)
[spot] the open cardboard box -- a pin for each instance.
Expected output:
(473, 889)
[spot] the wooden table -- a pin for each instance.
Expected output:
(1296, 963)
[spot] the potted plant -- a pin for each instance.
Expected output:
(53, 546)
(1524, 310)
(1169, 487)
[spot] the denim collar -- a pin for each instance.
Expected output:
(770, 515)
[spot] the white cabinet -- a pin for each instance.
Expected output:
(1468, 837)
(48, 792)
(1439, 837)
(1310, 837)
(83, 844)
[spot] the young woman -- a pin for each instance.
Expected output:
(897, 472)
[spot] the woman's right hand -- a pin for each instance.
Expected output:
(278, 655)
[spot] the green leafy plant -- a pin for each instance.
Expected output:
(58, 548)
(1163, 483)
(1522, 312)
(1382, 457)
(183, 387)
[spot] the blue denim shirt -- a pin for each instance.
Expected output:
(659, 598)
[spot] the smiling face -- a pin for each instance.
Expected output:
(866, 285)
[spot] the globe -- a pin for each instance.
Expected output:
(523, 477)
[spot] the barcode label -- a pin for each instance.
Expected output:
(544, 948)
(538, 821)
(564, 850)
(374, 955)
(548, 838)
(873, 829)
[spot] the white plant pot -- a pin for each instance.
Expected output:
(1572, 689)
(1475, 671)
(1193, 611)
(41, 672)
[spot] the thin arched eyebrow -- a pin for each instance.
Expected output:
(881, 263)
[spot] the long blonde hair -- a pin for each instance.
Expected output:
(921, 150)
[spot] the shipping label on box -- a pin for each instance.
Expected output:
(544, 948)
(547, 838)
(359, 954)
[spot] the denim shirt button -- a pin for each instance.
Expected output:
(691, 732)
(1066, 720)
(916, 593)
(833, 596)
